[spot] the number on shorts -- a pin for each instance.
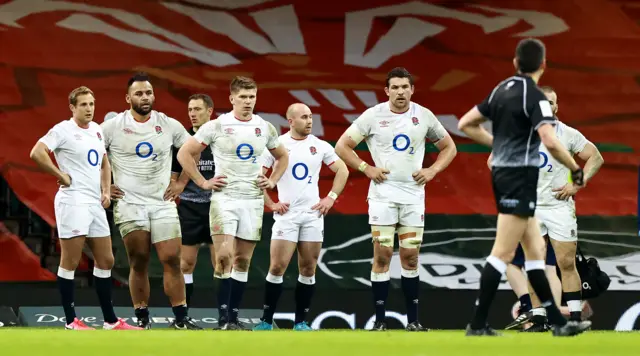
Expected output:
(545, 162)
(149, 148)
(407, 142)
(302, 177)
(244, 156)
(91, 153)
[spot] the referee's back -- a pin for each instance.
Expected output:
(516, 107)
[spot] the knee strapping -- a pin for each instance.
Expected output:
(410, 237)
(383, 235)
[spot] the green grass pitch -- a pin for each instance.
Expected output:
(53, 342)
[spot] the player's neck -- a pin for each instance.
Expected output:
(80, 124)
(138, 117)
(296, 136)
(246, 117)
(397, 110)
(534, 76)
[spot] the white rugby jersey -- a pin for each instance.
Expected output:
(79, 153)
(554, 174)
(397, 143)
(141, 154)
(237, 146)
(299, 184)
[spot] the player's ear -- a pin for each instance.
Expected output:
(386, 90)
(72, 108)
(127, 98)
(231, 98)
(515, 63)
(413, 89)
(210, 111)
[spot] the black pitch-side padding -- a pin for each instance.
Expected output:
(8, 317)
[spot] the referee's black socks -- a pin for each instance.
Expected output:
(489, 282)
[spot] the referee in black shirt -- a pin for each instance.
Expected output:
(193, 209)
(522, 117)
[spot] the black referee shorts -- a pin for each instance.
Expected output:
(515, 190)
(194, 222)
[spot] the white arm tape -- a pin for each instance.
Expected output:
(354, 133)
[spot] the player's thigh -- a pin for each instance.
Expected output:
(533, 243)
(188, 258)
(71, 252)
(138, 246)
(250, 213)
(510, 230)
(102, 251)
(383, 213)
(169, 252)
(308, 253)
(280, 253)
(564, 253)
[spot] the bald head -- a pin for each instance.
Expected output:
(300, 121)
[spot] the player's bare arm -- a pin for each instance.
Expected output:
(279, 167)
(591, 155)
(470, 125)
(105, 182)
(279, 207)
(187, 156)
(40, 155)
(448, 151)
(559, 152)
(339, 182)
(345, 149)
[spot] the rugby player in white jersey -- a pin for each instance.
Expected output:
(139, 142)
(395, 132)
(237, 140)
(84, 176)
(556, 213)
(299, 214)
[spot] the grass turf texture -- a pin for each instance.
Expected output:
(52, 342)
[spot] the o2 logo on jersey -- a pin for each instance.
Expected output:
(545, 161)
(305, 169)
(93, 157)
(245, 152)
(145, 150)
(401, 142)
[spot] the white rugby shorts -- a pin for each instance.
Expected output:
(298, 226)
(382, 214)
(241, 218)
(559, 223)
(160, 220)
(81, 220)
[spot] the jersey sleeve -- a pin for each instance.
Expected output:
(329, 157)
(180, 134)
(436, 131)
(484, 107)
(107, 132)
(577, 141)
(54, 138)
(272, 138)
(363, 122)
(539, 109)
(207, 133)
(266, 159)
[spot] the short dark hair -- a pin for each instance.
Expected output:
(138, 77)
(204, 97)
(530, 54)
(239, 83)
(399, 72)
(547, 89)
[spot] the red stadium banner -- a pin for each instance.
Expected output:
(334, 59)
(18, 262)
